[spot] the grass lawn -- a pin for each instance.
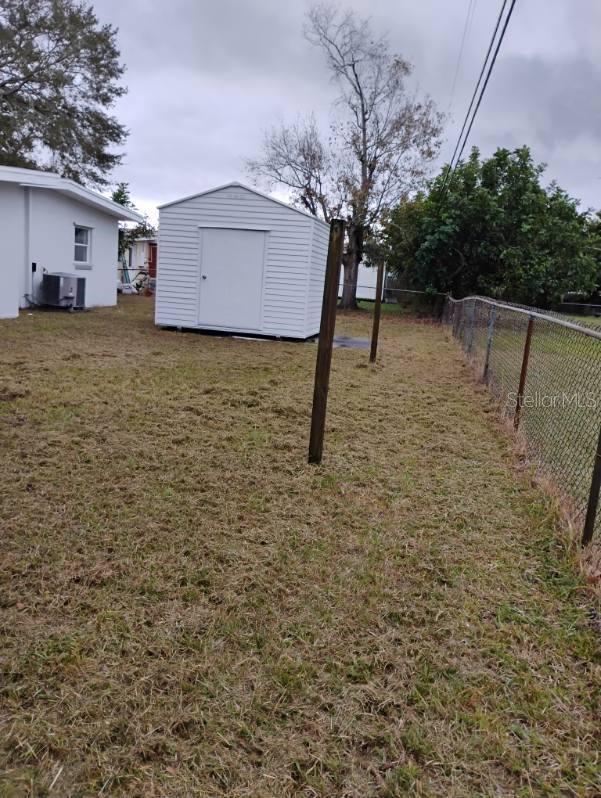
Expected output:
(189, 609)
(407, 307)
(392, 308)
(591, 321)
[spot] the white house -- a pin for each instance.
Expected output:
(142, 258)
(138, 265)
(237, 260)
(367, 277)
(48, 223)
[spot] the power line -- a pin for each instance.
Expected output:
(466, 28)
(453, 163)
(494, 58)
(488, 52)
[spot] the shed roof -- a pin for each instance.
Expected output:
(33, 178)
(236, 184)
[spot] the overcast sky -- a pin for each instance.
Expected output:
(205, 78)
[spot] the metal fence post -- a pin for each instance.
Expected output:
(460, 320)
(523, 372)
(489, 335)
(593, 497)
(470, 337)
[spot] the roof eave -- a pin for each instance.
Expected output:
(47, 181)
(119, 212)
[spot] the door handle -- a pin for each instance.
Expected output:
(204, 276)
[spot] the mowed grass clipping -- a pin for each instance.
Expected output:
(189, 609)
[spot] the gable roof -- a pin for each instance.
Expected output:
(32, 178)
(236, 184)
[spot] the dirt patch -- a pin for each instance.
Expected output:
(9, 395)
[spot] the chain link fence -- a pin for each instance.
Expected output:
(545, 371)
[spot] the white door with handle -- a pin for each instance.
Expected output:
(231, 277)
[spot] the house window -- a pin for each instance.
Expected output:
(82, 244)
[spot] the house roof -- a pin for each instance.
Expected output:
(236, 184)
(32, 178)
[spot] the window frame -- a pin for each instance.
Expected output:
(82, 264)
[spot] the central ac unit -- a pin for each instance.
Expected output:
(63, 290)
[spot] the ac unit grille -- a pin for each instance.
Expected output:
(63, 290)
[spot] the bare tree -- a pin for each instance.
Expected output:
(383, 139)
(294, 156)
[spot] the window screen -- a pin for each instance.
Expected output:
(82, 245)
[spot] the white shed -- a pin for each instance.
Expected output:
(48, 223)
(237, 260)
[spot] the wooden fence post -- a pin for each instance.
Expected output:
(377, 311)
(326, 338)
(523, 372)
(593, 497)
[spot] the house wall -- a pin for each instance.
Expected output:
(12, 248)
(139, 256)
(367, 278)
(287, 259)
(52, 221)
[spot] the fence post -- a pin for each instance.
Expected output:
(490, 331)
(470, 337)
(377, 310)
(593, 497)
(459, 307)
(326, 338)
(523, 372)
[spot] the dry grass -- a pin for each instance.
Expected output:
(190, 609)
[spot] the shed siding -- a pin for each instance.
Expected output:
(319, 253)
(286, 265)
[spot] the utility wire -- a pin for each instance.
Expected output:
(467, 26)
(452, 165)
(494, 58)
(488, 52)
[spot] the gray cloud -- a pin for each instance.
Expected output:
(205, 79)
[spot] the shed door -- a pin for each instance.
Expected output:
(231, 277)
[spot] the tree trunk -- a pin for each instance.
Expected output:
(351, 260)
(349, 286)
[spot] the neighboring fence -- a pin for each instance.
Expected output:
(545, 370)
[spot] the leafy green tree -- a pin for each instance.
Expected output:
(496, 231)
(122, 196)
(127, 233)
(59, 75)
(594, 232)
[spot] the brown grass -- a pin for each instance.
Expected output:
(188, 608)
